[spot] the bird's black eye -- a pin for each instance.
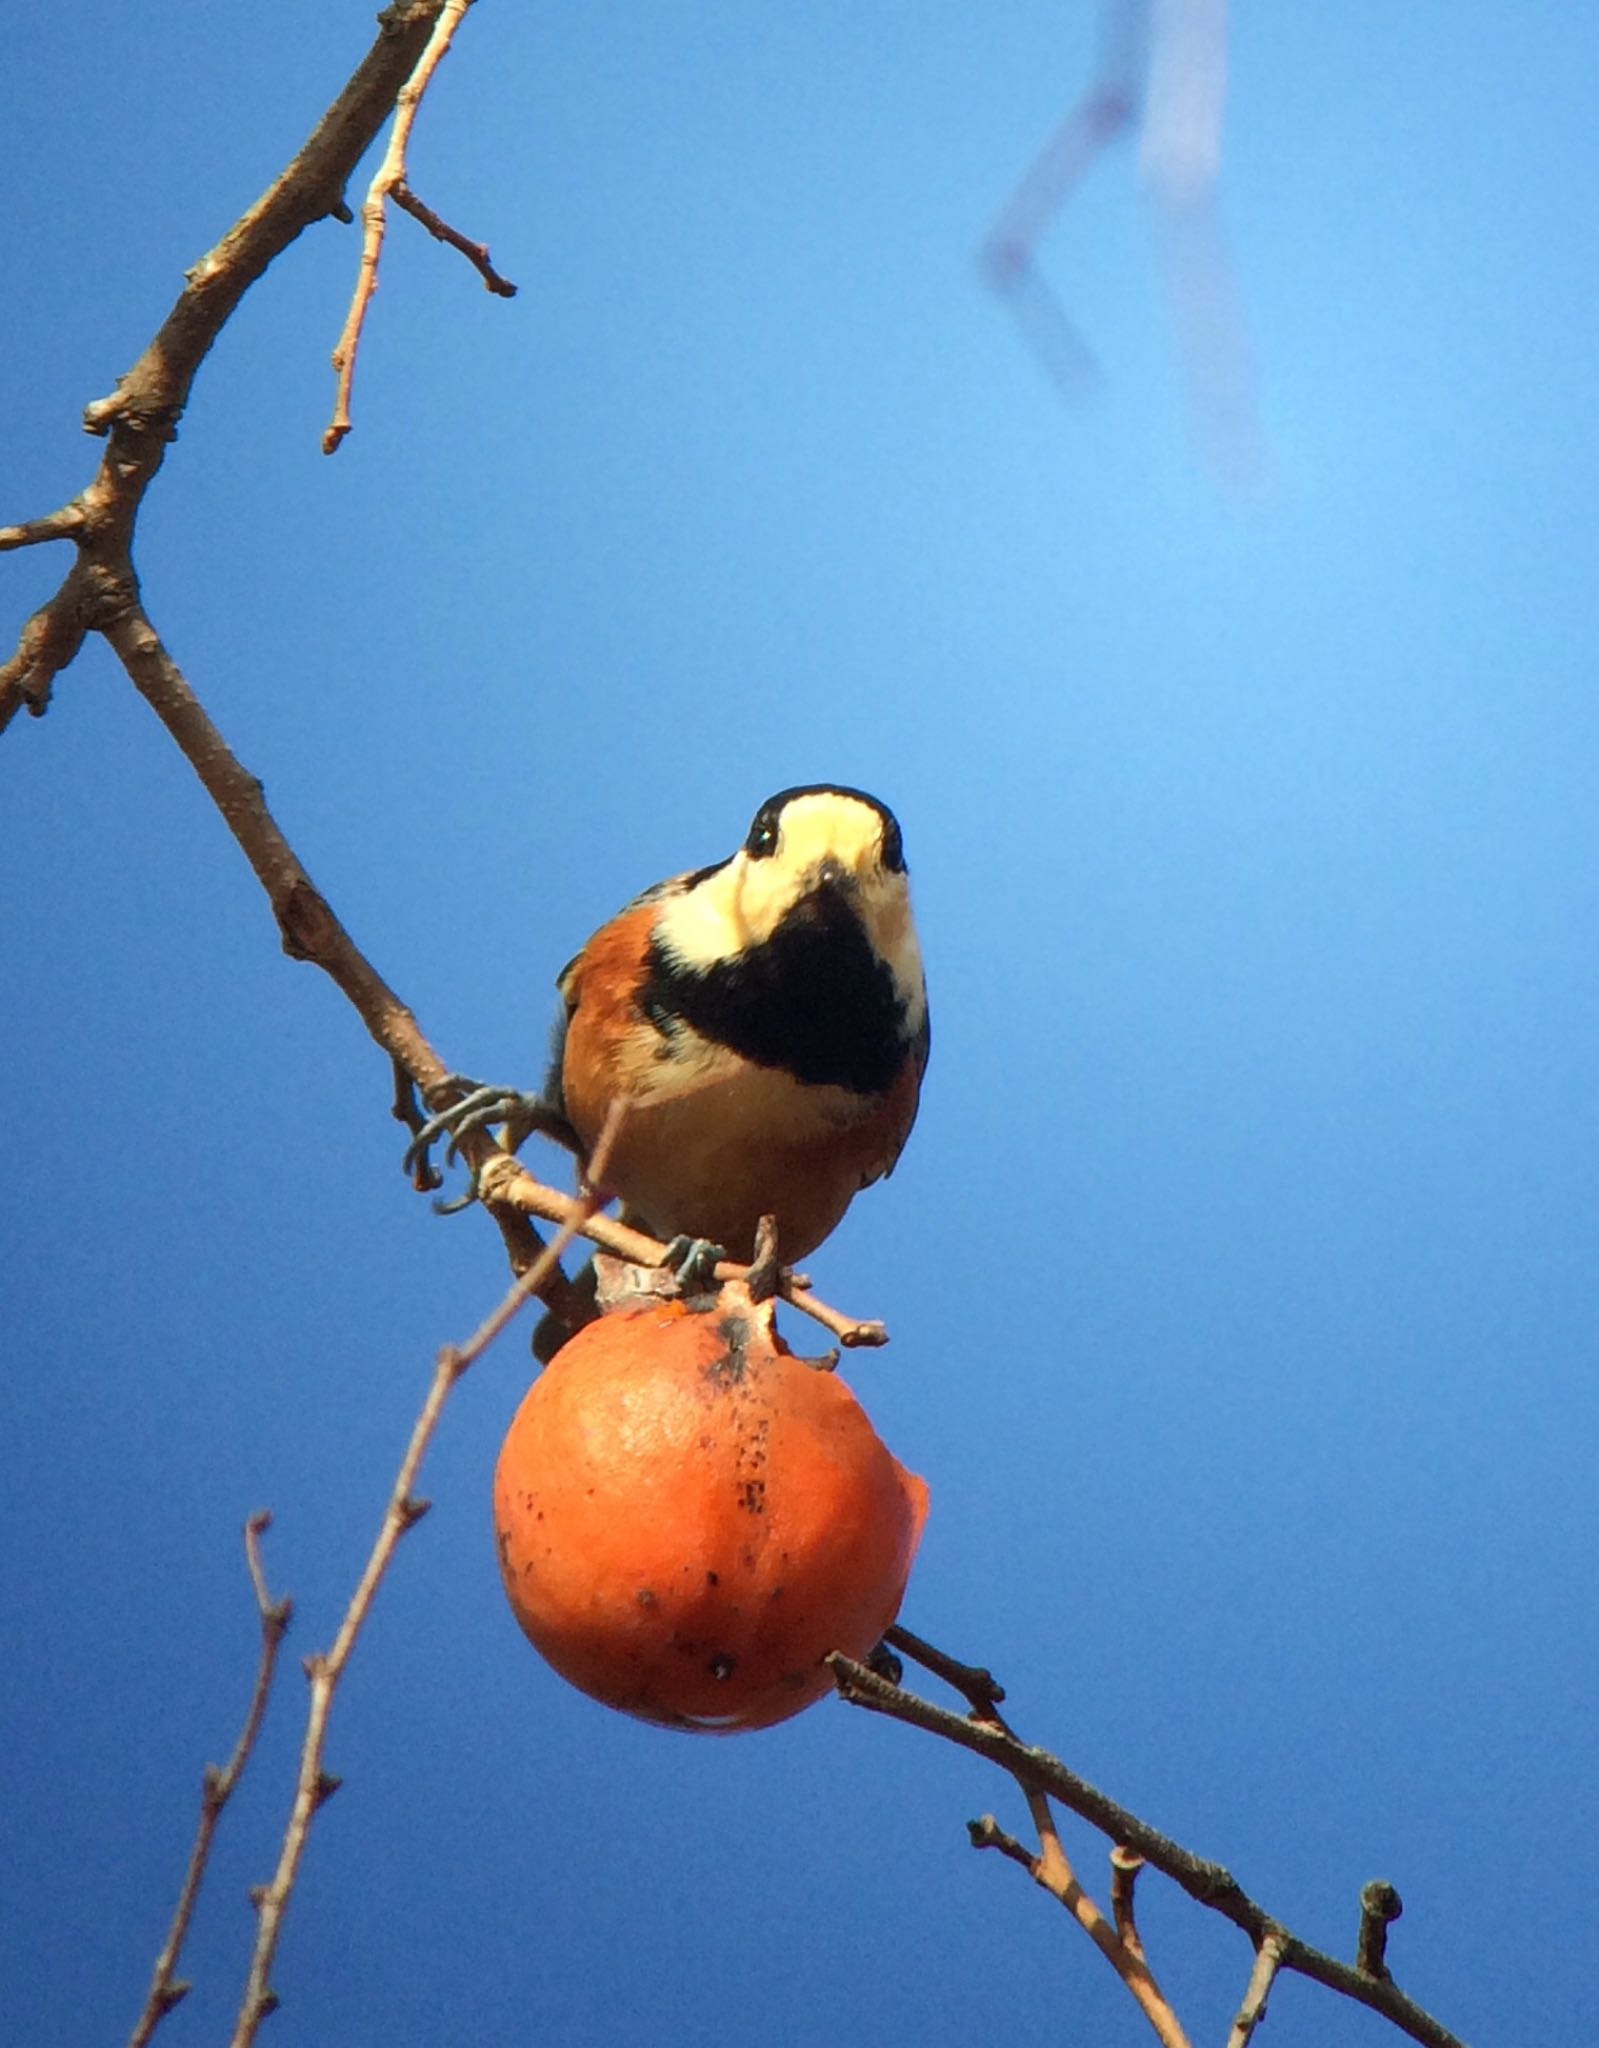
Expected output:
(762, 842)
(893, 846)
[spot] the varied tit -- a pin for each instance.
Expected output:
(764, 1023)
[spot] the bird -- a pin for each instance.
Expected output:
(762, 1022)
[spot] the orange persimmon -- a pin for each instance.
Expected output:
(690, 1517)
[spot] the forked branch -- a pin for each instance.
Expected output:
(392, 182)
(166, 1988)
(1051, 1868)
(1037, 1773)
(140, 418)
(314, 1785)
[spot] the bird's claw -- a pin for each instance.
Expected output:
(478, 1108)
(692, 1261)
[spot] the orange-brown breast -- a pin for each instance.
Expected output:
(605, 1028)
(711, 1141)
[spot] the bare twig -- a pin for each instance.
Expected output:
(476, 253)
(980, 1688)
(166, 1989)
(407, 1110)
(59, 525)
(1268, 1961)
(987, 1833)
(1209, 1884)
(1125, 1865)
(310, 930)
(314, 1786)
(374, 214)
(1053, 1870)
(46, 645)
(1380, 1904)
(504, 1181)
(140, 418)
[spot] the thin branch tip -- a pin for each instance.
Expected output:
(1269, 1958)
(1125, 1864)
(218, 1784)
(1380, 1906)
(390, 175)
(1040, 1775)
(476, 253)
(314, 1784)
(503, 1182)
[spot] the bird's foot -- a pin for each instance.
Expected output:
(479, 1107)
(692, 1261)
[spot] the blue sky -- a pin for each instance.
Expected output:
(1240, 1268)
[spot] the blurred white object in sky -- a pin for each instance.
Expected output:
(1162, 63)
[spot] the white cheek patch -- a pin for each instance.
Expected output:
(725, 914)
(742, 903)
(892, 931)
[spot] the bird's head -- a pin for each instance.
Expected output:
(809, 853)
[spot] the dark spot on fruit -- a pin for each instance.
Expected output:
(722, 1665)
(732, 1366)
(713, 1578)
(752, 1496)
(645, 1598)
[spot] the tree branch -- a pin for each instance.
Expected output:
(1380, 1905)
(309, 929)
(166, 1990)
(141, 416)
(314, 1786)
(504, 1181)
(391, 178)
(58, 525)
(1055, 1873)
(1125, 1865)
(1268, 1961)
(1210, 1884)
(476, 253)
